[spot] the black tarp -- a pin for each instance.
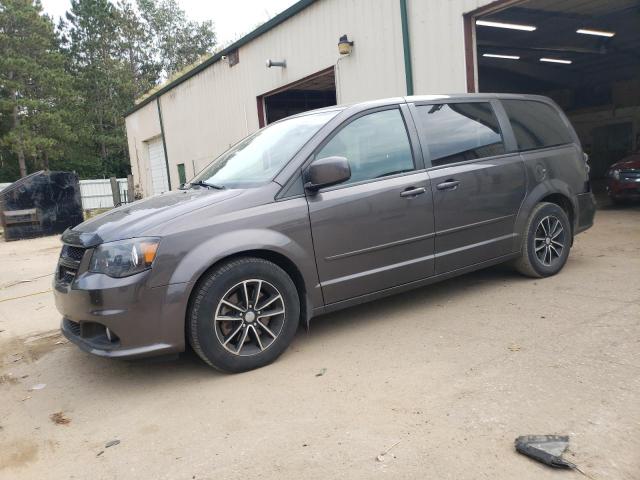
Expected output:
(43, 203)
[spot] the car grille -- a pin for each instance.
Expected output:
(73, 253)
(69, 262)
(632, 175)
(73, 327)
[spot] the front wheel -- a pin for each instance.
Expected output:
(243, 315)
(547, 242)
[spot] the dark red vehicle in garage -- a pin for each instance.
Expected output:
(623, 181)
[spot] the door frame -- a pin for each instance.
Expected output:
(262, 117)
(412, 134)
(508, 137)
(470, 45)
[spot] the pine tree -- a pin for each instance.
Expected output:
(93, 40)
(117, 54)
(64, 93)
(177, 41)
(137, 48)
(35, 89)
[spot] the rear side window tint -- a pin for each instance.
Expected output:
(456, 132)
(536, 124)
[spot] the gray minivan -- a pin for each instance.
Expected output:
(321, 211)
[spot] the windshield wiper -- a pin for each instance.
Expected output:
(201, 183)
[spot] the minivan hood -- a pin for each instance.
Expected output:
(134, 219)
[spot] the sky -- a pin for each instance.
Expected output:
(232, 18)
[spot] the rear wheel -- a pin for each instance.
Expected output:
(547, 242)
(244, 314)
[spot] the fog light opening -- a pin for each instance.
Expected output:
(112, 337)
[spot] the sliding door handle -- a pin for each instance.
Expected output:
(412, 192)
(448, 185)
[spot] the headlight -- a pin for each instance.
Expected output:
(616, 174)
(125, 257)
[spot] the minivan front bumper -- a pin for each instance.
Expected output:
(122, 318)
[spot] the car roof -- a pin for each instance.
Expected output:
(424, 98)
(488, 96)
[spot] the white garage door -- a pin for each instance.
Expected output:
(159, 181)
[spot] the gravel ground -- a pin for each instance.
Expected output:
(445, 377)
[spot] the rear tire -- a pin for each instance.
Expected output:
(243, 315)
(547, 242)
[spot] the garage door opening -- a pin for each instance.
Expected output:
(585, 54)
(316, 91)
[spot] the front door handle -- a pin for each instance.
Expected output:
(448, 185)
(412, 192)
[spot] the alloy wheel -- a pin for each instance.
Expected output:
(249, 317)
(549, 240)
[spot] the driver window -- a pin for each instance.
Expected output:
(376, 145)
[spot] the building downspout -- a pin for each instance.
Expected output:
(408, 67)
(164, 142)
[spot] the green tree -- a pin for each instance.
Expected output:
(64, 93)
(35, 93)
(118, 52)
(177, 41)
(137, 48)
(92, 33)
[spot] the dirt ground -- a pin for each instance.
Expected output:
(445, 376)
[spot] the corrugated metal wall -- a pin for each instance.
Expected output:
(142, 127)
(209, 112)
(437, 44)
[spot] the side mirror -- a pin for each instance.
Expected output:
(325, 172)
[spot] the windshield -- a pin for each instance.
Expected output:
(260, 156)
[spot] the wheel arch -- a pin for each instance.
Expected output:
(552, 191)
(279, 259)
(563, 202)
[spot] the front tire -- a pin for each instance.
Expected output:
(243, 315)
(547, 242)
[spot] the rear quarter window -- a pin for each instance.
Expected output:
(458, 132)
(536, 124)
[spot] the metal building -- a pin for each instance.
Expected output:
(583, 53)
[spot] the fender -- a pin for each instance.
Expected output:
(541, 190)
(198, 260)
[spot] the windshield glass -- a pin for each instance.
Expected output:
(258, 158)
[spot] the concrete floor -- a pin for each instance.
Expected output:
(449, 374)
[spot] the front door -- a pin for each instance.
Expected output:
(374, 231)
(477, 187)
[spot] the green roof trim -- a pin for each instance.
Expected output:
(265, 27)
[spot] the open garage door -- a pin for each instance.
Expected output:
(585, 54)
(315, 91)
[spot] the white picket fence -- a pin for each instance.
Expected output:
(96, 193)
